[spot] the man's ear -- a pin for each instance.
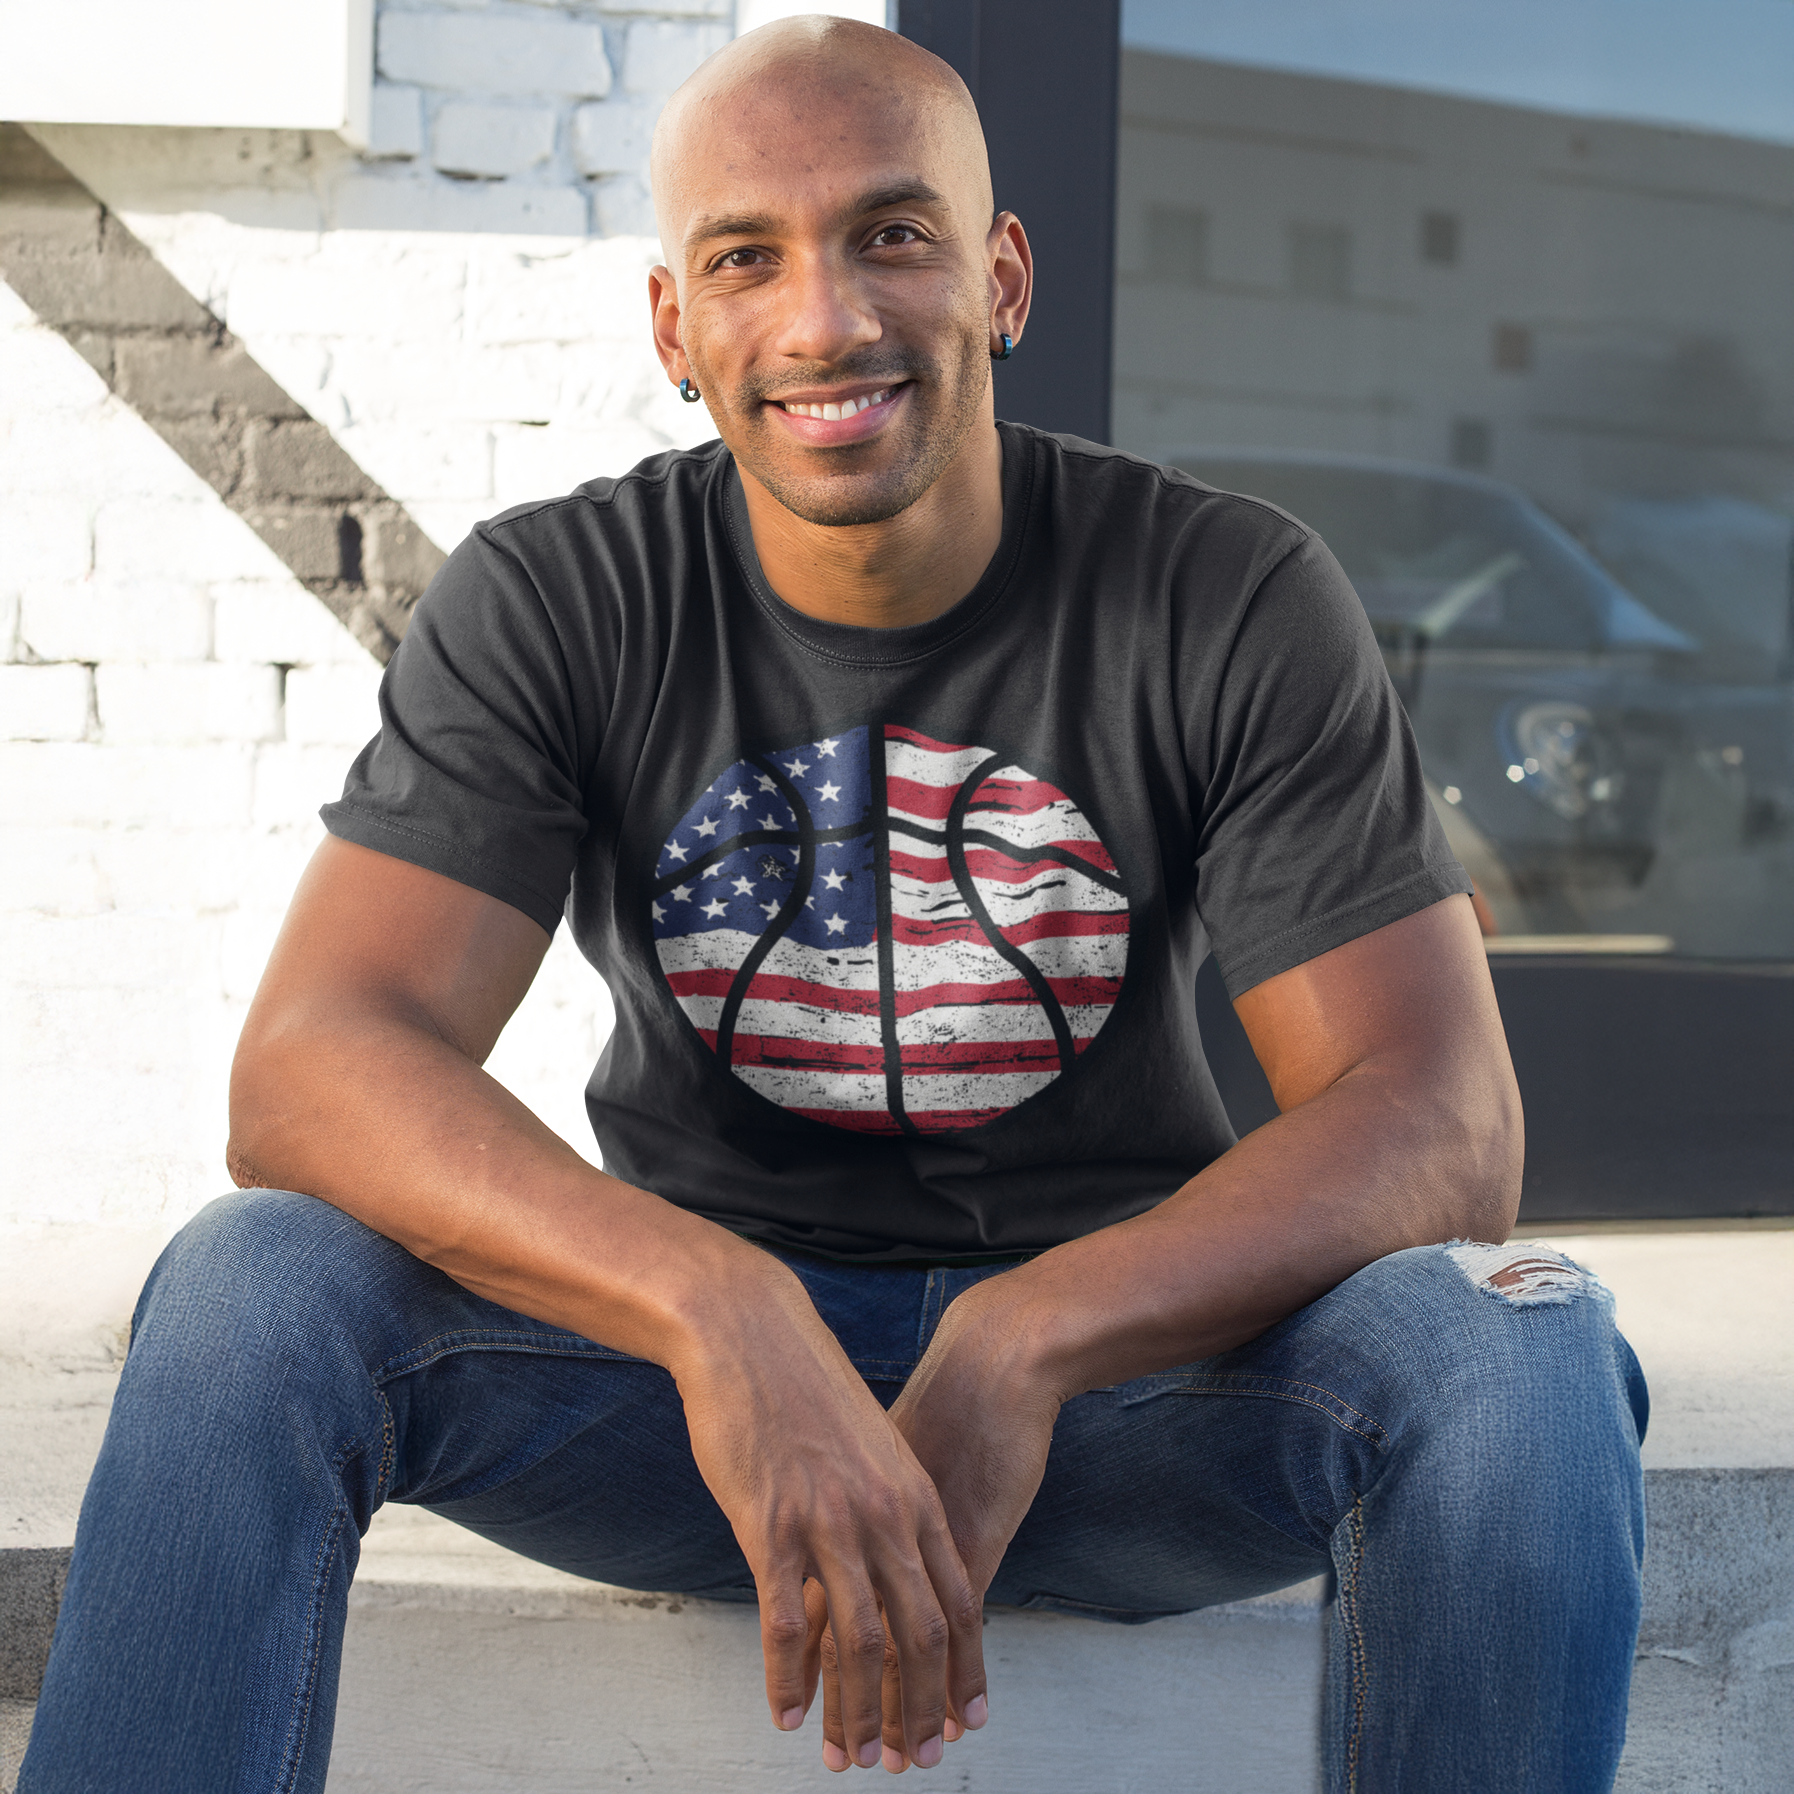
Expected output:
(1011, 276)
(663, 310)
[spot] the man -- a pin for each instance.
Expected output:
(896, 769)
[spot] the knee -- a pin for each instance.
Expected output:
(1515, 1341)
(251, 1278)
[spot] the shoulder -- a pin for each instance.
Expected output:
(1143, 506)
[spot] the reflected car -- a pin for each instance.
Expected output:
(1595, 773)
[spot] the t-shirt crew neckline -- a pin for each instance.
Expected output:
(855, 644)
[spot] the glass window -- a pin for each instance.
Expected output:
(1499, 297)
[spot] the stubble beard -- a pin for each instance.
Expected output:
(928, 438)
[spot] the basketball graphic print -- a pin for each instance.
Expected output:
(889, 933)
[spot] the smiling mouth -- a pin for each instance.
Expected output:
(832, 412)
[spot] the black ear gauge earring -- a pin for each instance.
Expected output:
(691, 395)
(1004, 353)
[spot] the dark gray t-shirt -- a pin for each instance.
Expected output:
(902, 926)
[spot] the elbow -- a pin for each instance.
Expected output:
(253, 1151)
(1494, 1136)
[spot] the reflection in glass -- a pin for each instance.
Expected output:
(1530, 375)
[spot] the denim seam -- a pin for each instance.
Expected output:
(388, 1448)
(496, 1339)
(305, 1695)
(934, 1305)
(1353, 1622)
(446, 1345)
(1286, 1390)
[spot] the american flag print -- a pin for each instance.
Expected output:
(889, 933)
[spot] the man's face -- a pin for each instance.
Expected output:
(832, 263)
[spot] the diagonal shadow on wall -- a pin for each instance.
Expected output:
(350, 543)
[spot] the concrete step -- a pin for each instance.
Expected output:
(462, 1671)
(466, 1668)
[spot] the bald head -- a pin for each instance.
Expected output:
(835, 283)
(792, 95)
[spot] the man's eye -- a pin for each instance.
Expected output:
(739, 258)
(895, 234)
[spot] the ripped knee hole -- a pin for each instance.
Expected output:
(1525, 1276)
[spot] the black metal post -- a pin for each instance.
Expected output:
(1046, 75)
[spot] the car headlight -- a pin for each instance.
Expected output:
(1556, 751)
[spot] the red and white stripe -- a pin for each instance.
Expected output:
(972, 1038)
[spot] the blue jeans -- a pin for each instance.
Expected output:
(1463, 1457)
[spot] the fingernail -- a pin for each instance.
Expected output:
(929, 1752)
(867, 1754)
(977, 1712)
(895, 1761)
(834, 1757)
(955, 1731)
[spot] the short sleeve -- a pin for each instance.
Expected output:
(1314, 824)
(476, 770)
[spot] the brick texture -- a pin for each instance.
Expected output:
(281, 372)
(614, 138)
(173, 362)
(473, 53)
(396, 128)
(45, 703)
(207, 702)
(492, 140)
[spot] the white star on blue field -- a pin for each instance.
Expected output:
(735, 857)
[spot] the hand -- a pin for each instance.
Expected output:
(978, 1419)
(840, 1525)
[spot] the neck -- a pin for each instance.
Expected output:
(908, 569)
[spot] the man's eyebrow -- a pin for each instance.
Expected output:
(739, 224)
(764, 224)
(898, 193)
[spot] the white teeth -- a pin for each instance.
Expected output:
(832, 413)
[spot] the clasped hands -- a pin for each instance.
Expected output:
(872, 1536)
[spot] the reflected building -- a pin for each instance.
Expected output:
(1584, 307)
(1453, 335)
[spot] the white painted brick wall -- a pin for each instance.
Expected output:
(396, 125)
(490, 52)
(208, 701)
(658, 54)
(614, 138)
(476, 138)
(332, 705)
(275, 623)
(474, 343)
(45, 703)
(110, 620)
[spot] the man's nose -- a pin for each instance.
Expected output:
(825, 312)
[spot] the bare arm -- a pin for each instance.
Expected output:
(358, 1079)
(1400, 1127)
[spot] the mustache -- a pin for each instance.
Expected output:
(882, 365)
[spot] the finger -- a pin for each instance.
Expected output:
(834, 1740)
(784, 1641)
(896, 1745)
(921, 1638)
(816, 1618)
(859, 1637)
(962, 1606)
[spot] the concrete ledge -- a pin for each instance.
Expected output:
(466, 1668)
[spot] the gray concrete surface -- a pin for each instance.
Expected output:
(466, 1668)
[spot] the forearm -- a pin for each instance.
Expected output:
(437, 1155)
(1361, 1170)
